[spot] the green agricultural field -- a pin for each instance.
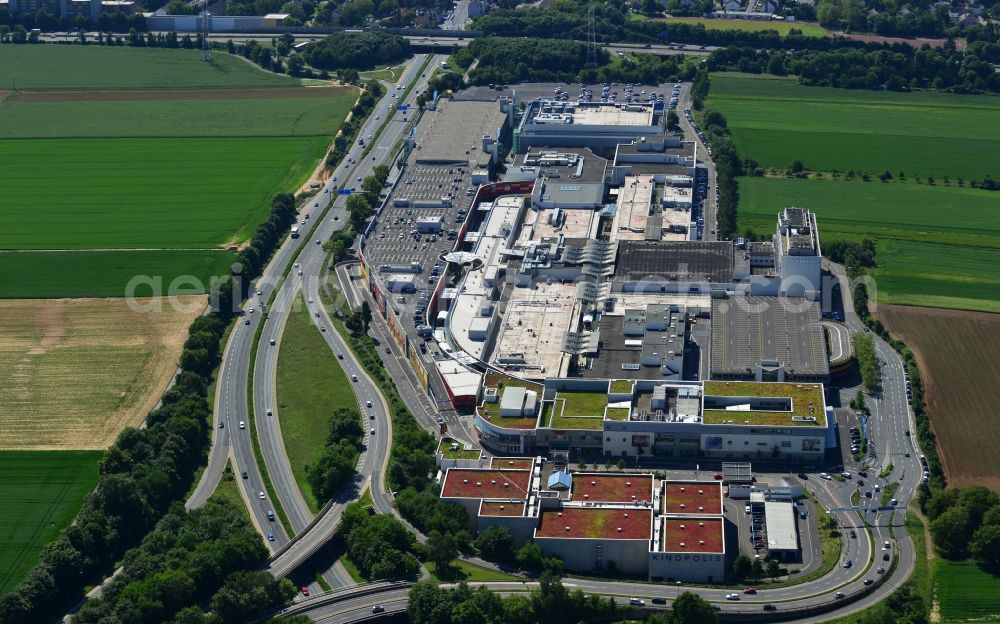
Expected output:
(42, 491)
(924, 258)
(49, 275)
(156, 193)
(776, 121)
(50, 66)
(311, 384)
(783, 28)
(964, 593)
(304, 114)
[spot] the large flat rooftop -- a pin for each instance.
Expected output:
(608, 488)
(595, 523)
(531, 335)
(748, 332)
(551, 222)
(793, 404)
(491, 411)
(675, 260)
(453, 132)
(613, 115)
(692, 535)
(496, 484)
(692, 497)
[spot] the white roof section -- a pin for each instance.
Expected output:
(461, 380)
(780, 520)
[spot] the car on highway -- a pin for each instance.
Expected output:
(373, 431)
(848, 564)
(340, 356)
(880, 571)
(270, 537)
(894, 502)
(733, 596)
(659, 600)
(222, 425)
(839, 595)
(322, 328)
(272, 341)
(368, 403)
(243, 425)
(245, 475)
(260, 495)
(869, 581)
(269, 412)
(378, 609)
(770, 607)
(637, 602)
(305, 590)
(823, 475)
(354, 377)
(749, 590)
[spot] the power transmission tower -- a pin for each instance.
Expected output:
(591, 38)
(206, 47)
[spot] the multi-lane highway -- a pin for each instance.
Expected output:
(231, 440)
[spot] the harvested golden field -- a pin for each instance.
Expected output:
(958, 357)
(75, 372)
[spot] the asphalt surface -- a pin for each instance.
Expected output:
(231, 398)
(310, 263)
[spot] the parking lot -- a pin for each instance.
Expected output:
(567, 91)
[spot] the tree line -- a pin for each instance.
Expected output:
(901, 68)
(111, 21)
(563, 19)
(349, 130)
(552, 603)
(728, 166)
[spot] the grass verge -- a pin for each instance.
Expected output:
(228, 493)
(311, 384)
(460, 570)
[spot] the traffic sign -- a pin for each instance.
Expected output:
(403, 107)
(345, 191)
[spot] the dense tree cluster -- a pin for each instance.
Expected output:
(357, 50)
(205, 556)
(899, 68)
(335, 465)
(379, 545)
(966, 522)
(856, 257)
(551, 603)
